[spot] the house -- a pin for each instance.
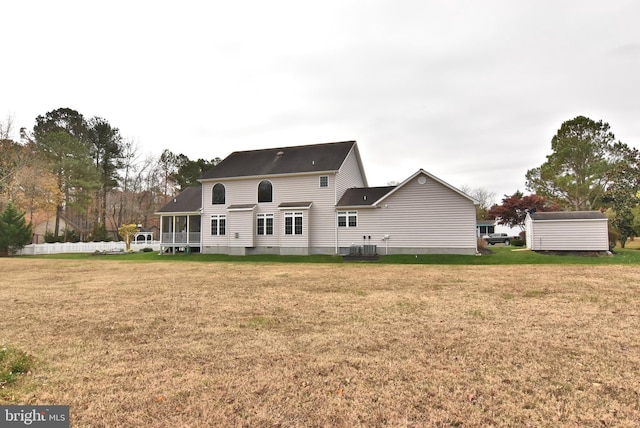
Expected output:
(567, 231)
(315, 199)
(46, 227)
(485, 227)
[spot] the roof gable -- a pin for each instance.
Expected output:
(373, 196)
(282, 160)
(429, 177)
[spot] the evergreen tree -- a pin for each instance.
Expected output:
(106, 149)
(60, 139)
(190, 171)
(623, 193)
(576, 174)
(15, 233)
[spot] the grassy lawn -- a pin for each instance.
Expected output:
(499, 255)
(164, 341)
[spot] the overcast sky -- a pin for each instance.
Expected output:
(471, 91)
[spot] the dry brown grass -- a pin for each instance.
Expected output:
(223, 344)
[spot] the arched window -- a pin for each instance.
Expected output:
(218, 194)
(265, 191)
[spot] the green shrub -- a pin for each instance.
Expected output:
(517, 242)
(13, 364)
(15, 233)
(100, 234)
(71, 235)
(50, 238)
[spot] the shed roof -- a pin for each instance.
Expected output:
(568, 215)
(305, 204)
(282, 160)
(189, 200)
(241, 207)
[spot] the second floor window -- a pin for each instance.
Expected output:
(218, 194)
(265, 191)
(324, 181)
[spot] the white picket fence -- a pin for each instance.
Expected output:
(85, 247)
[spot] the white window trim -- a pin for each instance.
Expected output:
(327, 181)
(347, 215)
(264, 217)
(293, 215)
(218, 217)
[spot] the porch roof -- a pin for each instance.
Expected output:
(187, 201)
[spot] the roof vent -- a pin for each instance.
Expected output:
(280, 153)
(364, 197)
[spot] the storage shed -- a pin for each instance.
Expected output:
(567, 231)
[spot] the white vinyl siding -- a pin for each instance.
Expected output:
(349, 175)
(567, 235)
(421, 216)
(241, 228)
(319, 220)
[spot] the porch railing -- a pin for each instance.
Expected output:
(181, 238)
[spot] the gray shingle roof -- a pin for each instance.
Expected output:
(189, 200)
(282, 160)
(568, 215)
(363, 196)
(295, 204)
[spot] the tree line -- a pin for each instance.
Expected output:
(588, 169)
(84, 171)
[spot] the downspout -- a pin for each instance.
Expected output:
(335, 222)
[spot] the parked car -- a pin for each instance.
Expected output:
(498, 238)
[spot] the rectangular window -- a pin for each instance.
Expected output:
(293, 223)
(347, 218)
(218, 225)
(324, 181)
(265, 224)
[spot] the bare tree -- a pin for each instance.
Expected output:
(6, 128)
(485, 198)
